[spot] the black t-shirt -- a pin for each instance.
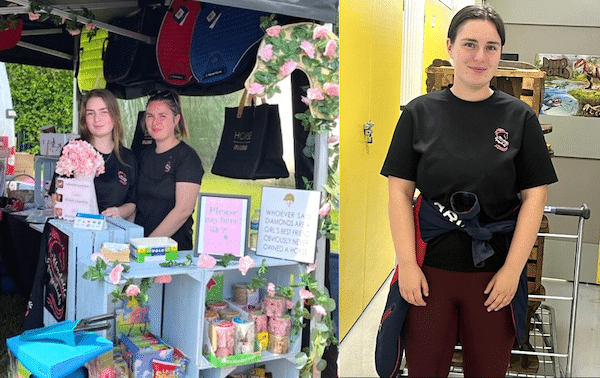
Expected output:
(158, 174)
(116, 186)
(493, 148)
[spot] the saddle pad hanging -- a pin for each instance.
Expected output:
(12, 35)
(90, 75)
(129, 60)
(222, 38)
(174, 41)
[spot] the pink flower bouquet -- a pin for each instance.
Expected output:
(79, 158)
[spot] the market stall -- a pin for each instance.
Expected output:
(180, 306)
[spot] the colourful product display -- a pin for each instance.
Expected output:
(211, 316)
(228, 314)
(225, 332)
(217, 306)
(280, 326)
(279, 344)
(245, 336)
(274, 306)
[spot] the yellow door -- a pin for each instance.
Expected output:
(370, 57)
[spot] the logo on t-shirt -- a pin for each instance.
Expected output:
(122, 178)
(168, 167)
(501, 139)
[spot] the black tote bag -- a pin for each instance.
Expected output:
(251, 144)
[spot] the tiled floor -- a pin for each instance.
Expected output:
(357, 348)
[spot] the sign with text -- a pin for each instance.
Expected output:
(289, 219)
(75, 196)
(222, 225)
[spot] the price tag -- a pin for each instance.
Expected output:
(90, 221)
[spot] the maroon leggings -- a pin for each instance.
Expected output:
(455, 310)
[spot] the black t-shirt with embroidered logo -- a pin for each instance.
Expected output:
(116, 186)
(493, 148)
(157, 176)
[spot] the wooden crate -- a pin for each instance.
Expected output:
(525, 84)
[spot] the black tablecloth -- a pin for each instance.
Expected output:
(19, 250)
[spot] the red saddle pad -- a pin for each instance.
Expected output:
(174, 40)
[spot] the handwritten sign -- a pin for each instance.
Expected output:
(75, 196)
(289, 219)
(222, 224)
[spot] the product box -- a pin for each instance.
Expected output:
(132, 322)
(214, 288)
(51, 144)
(24, 164)
(175, 369)
(153, 249)
(139, 354)
(115, 251)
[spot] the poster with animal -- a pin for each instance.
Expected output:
(572, 85)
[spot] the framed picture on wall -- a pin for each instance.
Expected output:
(222, 224)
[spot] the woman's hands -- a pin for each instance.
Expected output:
(112, 212)
(412, 284)
(502, 288)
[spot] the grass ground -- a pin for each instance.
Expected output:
(12, 308)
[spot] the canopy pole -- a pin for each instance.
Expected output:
(101, 25)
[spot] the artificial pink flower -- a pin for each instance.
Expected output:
(274, 31)
(74, 32)
(314, 94)
(271, 289)
(320, 310)
(79, 157)
(115, 274)
(306, 294)
(34, 16)
(206, 261)
(332, 89)
(308, 48)
(330, 48)
(256, 89)
(324, 210)
(266, 53)
(320, 32)
(246, 263)
(287, 68)
(164, 279)
(333, 139)
(97, 255)
(132, 290)
(305, 100)
(310, 268)
(290, 304)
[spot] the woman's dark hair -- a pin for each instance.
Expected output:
(172, 100)
(476, 12)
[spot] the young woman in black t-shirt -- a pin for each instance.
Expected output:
(169, 174)
(469, 138)
(100, 124)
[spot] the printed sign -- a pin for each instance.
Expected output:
(222, 224)
(572, 86)
(58, 262)
(75, 196)
(289, 219)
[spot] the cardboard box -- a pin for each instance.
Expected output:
(24, 164)
(140, 359)
(51, 144)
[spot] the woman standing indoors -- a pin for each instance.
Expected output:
(169, 175)
(100, 124)
(479, 159)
